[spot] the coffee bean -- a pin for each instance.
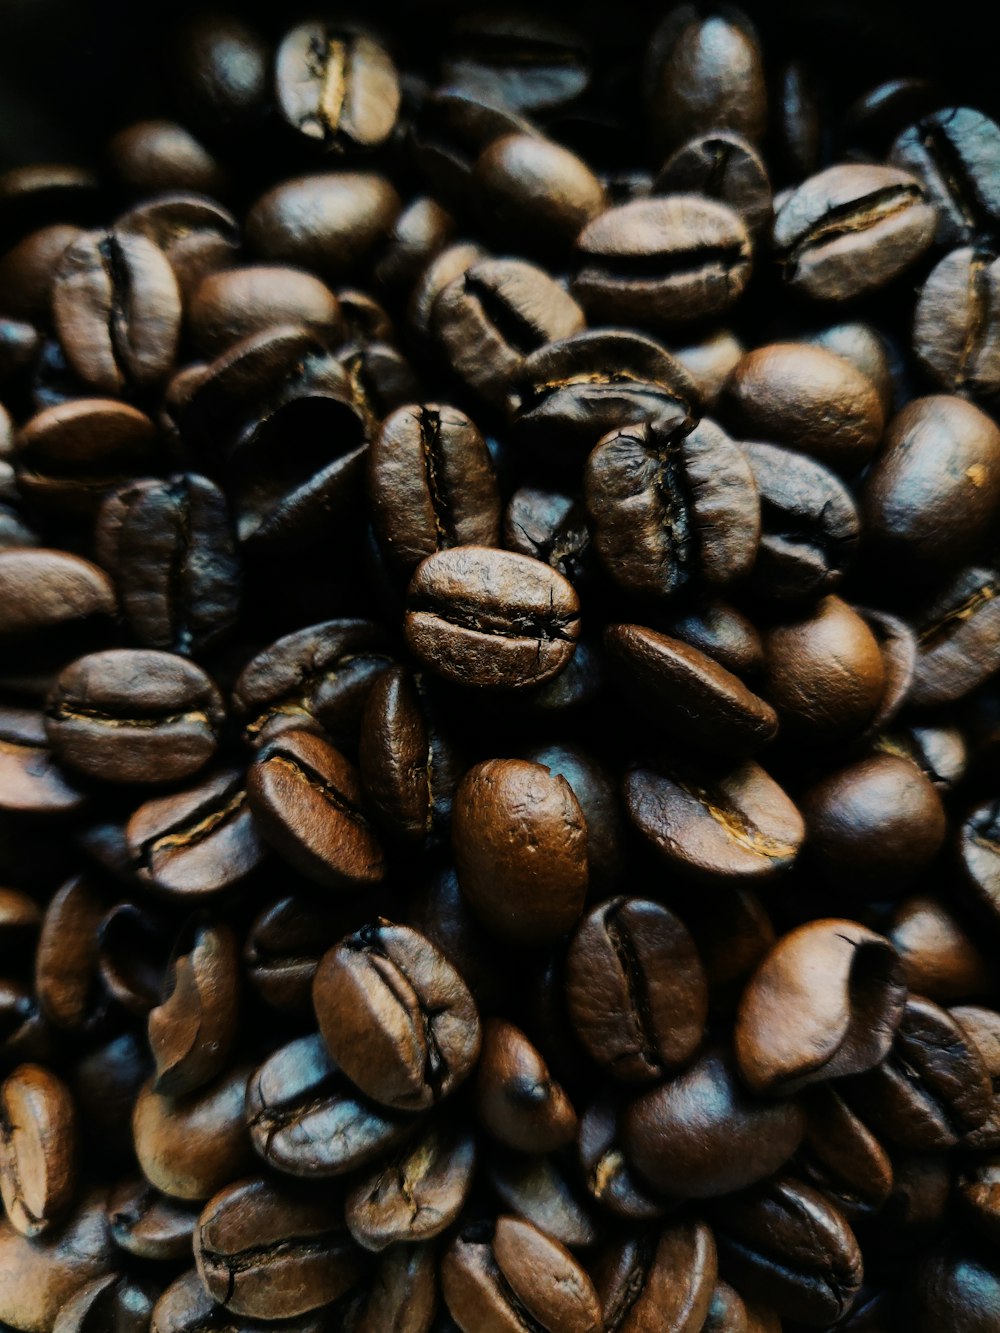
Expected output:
(491, 618)
(727, 1312)
(396, 1016)
(66, 957)
(898, 646)
(306, 798)
(733, 825)
(851, 229)
(224, 70)
(957, 644)
(186, 1307)
(536, 194)
(594, 789)
(955, 153)
(265, 1252)
(520, 843)
(954, 1290)
(37, 1149)
(337, 85)
(236, 302)
(154, 155)
(710, 363)
(511, 1272)
(31, 781)
(636, 989)
(979, 852)
(517, 1100)
(548, 526)
(422, 230)
(27, 270)
(732, 931)
(725, 167)
(197, 235)
(283, 946)
(147, 1224)
(669, 1278)
(42, 590)
(530, 62)
(866, 349)
(656, 262)
(701, 1135)
(672, 507)
(720, 631)
(955, 333)
(939, 959)
(841, 1157)
(607, 1175)
(544, 1190)
(846, 987)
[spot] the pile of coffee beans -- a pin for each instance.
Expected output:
(499, 721)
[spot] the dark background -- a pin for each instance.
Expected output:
(70, 70)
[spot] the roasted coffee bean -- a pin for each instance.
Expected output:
(154, 155)
(710, 363)
(704, 71)
(170, 548)
(979, 850)
(189, 1147)
(147, 1224)
(956, 1291)
(306, 1120)
(195, 842)
(549, 526)
(939, 959)
(37, 1149)
(544, 1189)
(635, 989)
(932, 1088)
(876, 822)
(517, 1100)
(956, 336)
(306, 798)
(132, 956)
(724, 167)
(865, 348)
(20, 343)
(608, 1177)
(728, 826)
(66, 958)
(432, 484)
(720, 631)
(845, 986)
(193, 1028)
(672, 508)
(327, 222)
(134, 715)
(417, 1193)
(658, 262)
(421, 231)
(439, 910)
(237, 302)
(694, 698)
(493, 316)
(117, 310)
(27, 270)
(531, 62)
(666, 1280)
(536, 194)
(489, 618)
(841, 1157)
(898, 646)
(851, 229)
(396, 1016)
(933, 493)
(283, 946)
(186, 1307)
(597, 795)
(823, 671)
(939, 752)
(224, 68)
(31, 782)
(520, 842)
(957, 640)
(337, 85)
(879, 114)
(955, 153)
(785, 1242)
(577, 389)
(508, 1273)
(701, 1134)
(265, 1252)
(43, 590)
(807, 399)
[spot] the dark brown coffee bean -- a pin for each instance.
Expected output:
(517, 1100)
(528, 61)
(595, 790)
(328, 222)
(504, 1274)
(657, 262)
(189, 1147)
(879, 114)
(939, 959)
(396, 1016)
(37, 1148)
(807, 399)
(958, 638)
(664, 1281)
(704, 71)
(956, 334)
(422, 230)
(66, 959)
(785, 1242)
(841, 1157)
(608, 1177)
(701, 1134)
(27, 270)
(520, 843)
(955, 1291)
(710, 363)
(403, 1294)
(132, 956)
(493, 316)
(979, 850)
(439, 910)
(672, 508)
(865, 348)
(155, 155)
(432, 484)
(851, 229)
(693, 697)
(133, 715)
(186, 1307)
(955, 153)
(489, 618)
(939, 752)
(845, 986)
(636, 989)
(544, 1190)
(195, 842)
(898, 646)
(236, 302)
(716, 628)
(125, 1303)
(306, 798)
(31, 782)
(732, 826)
(147, 1224)
(324, 672)
(724, 167)
(338, 85)
(536, 194)
(224, 68)
(44, 590)
(267, 1253)
(283, 946)
(934, 491)
(193, 1028)
(548, 526)
(197, 235)
(417, 1193)
(306, 1119)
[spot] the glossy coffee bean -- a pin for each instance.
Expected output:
(957, 644)
(955, 1290)
(37, 1149)
(237, 302)
(845, 986)
(264, 1252)
(197, 235)
(154, 155)
(608, 1177)
(147, 1224)
(636, 989)
(710, 362)
(336, 85)
(530, 61)
(865, 348)
(549, 526)
(701, 1134)
(517, 1100)
(283, 945)
(667, 1279)
(116, 1300)
(488, 618)
(44, 590)
(520, 842)
(31, 781)
(672, 508)
(535, 193)
(193, 1028)
(955, 153)
(851, 229)
(955, 334)
(658, 262)
(940, 959)
(842, 1157)
(721, 166)
(27, 270)
(396, 1016)
(189, 1147)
